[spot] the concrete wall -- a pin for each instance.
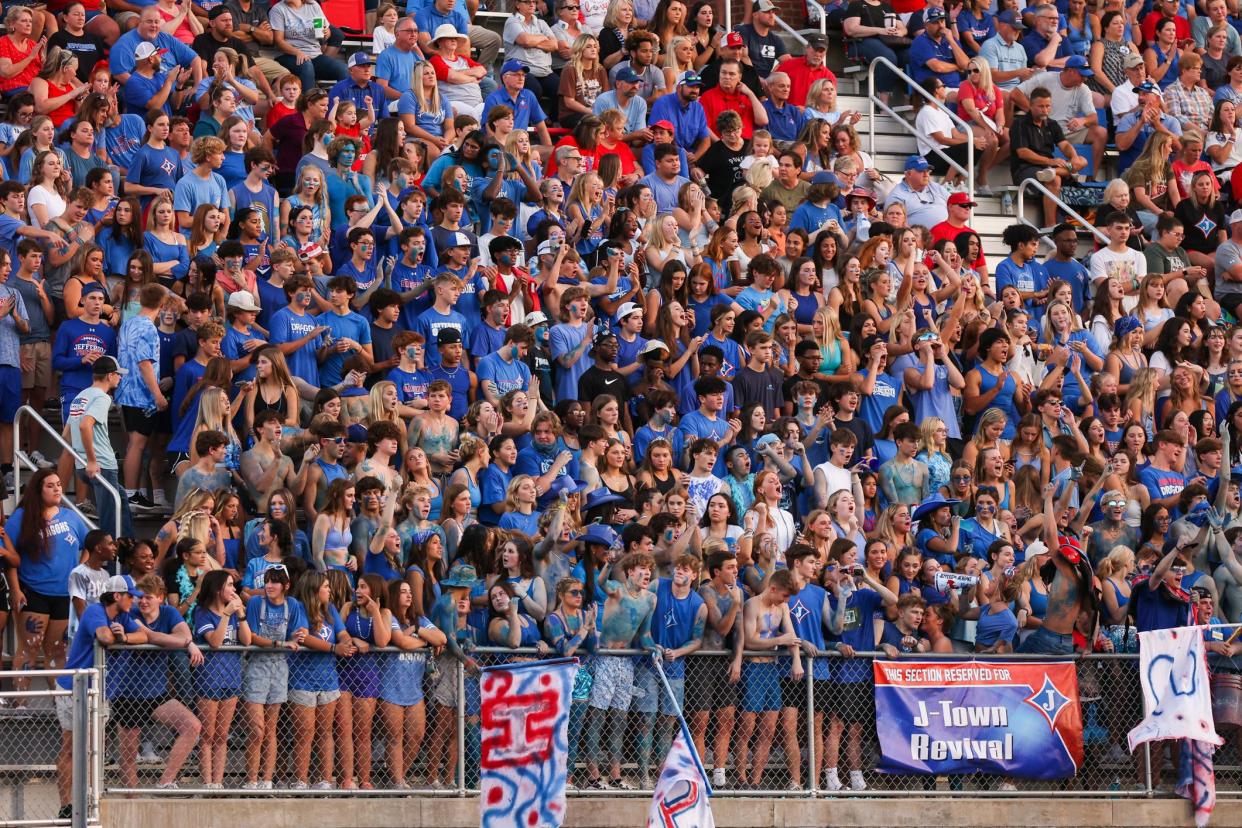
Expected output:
(450, 812)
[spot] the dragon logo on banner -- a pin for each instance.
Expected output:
(524, 719)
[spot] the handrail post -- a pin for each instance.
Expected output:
(1070, 211)
(813, 787)
(461, 728)
(80, 796)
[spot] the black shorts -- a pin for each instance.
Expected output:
(55, 607)
(710, 689)
(137, 420)
(5, 606)
(850, 702)
(132, 714)
(957, 152)
(793, 693)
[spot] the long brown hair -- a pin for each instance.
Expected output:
(32, 535)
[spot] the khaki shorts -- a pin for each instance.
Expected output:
(41, 376)
(1078, 136)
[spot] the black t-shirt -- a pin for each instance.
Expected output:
(764, 50)
(868, 14)
(1029, 135)
(723, 167)
(595, 381)
(88, 49)
(758, 386)
(1197, 220)
(711, 78)
(820, 398)
(381, 342)
(610, 42)
(860, 429)
(206, 46)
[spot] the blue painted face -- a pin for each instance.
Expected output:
(347, 156)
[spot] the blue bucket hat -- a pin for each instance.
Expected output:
(599, 533)
(601, 497)
(932, 504)
(462, 576)
(1125, 324)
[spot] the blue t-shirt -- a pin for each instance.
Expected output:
(350, 325)
(312, 670)
(272, 621)
(1161, 483)
(49, 573)
(138, 342)
(806, 610)
(564, 338)
(429, 323)
(288, 326)
(526, 109)
(879, 400)
(155, 168)
(1158, 609)
(672, 625)
(1031, 277)
(220, 672)
(188, 375)
(528, 524)
(493, 485)
(410, 386)
(924, 49)
(506, 376)
(75, 339)
(430, 120)
(858, 632)
(82, 649)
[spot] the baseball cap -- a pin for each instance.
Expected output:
(917, 162)
(767, 440)
(690, 78)
(628, 75)
(122, 583)
(1235, 217)
(545, 248)
(733, 40)
(459, 240)
(664, 124)
(356, 59)
(763, 6)
(933, 13)
(962, 199)
(653, 345)
(357, 433)
(217, 11)
(824, 177)
(1079, 64)
(242, 300)
(1132, 60)
(95, 287)
(146, 50)
(107, 365)
(536, 318)
(1146, 86)
(448, 336)
(626, 309)
(513, 66)
(1011, 18)
(816, 41)
(861, 192)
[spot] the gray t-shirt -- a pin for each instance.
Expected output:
(1066, 103)
(96, 403)
(298, 26)
(539, 61)
(1228, 255)
(39, 331)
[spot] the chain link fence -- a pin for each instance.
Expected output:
(391, 721)
(48, 745)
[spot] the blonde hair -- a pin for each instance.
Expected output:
(984, 84)
(817, 91)
(578, 192)
(927, 435)
(511, 146)
(211, 413)
(759, 176)
(670, 53)
(832, 325)
(511, 504)
(610, 19)
(1143, 387)
(654, 236)
(575, 54)
(426, 102)
(1111, 190)
(1117, 562)
(378, 412)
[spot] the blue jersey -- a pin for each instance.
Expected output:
(404, 279)
(288, 326)
(886, 393)
(858, 632)
(429, 323)
(672, 625)
(49, 573)
(347, 325)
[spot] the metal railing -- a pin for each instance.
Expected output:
(25, 736)
(874, 101)
(1069, 211)
(24, 460)
(1109, 697)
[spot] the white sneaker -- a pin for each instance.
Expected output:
(252, 786)
(1046, 174)
(161, 502)
(832, 781)
(298, 785)
(8, 480)
(266, 785)
(1008, 787)
(857, 783)
(41, 461)
(718, 778)
(322, 785)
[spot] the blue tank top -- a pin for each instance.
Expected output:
(1122, 600)
(806, 310)
(1170, 77)
(331, 471)
(1039, 602)
(920, 321)
(337, 538)
(806, 610)
(1002, 401)
(232, 551)
(1078, 40)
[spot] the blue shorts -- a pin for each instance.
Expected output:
(613, 686)
(10, 392)
(650, 695)
(762, 684)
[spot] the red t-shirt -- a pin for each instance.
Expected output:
(716, 100)
(277, 112)
(9, 50)
(1149, 27)
(944, 230)
(802, 77)
(1185, 173)
(987, 105)
(589, 159)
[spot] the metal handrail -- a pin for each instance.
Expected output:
(823, 15)
(24, 459)
(969, 171)
(1069, 211)
(790, 30)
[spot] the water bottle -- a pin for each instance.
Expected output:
(1007, 204)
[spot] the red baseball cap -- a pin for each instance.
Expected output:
(733, 40)
(962, 199)
(664, 125)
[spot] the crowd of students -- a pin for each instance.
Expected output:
(622, 343)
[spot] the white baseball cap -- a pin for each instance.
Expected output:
(626, 309)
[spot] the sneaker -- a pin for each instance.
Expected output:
(65, 812)
(213, 786)
(1046, 174)
(718, 778)
(599, 784)
(646, 782)
(168, 786)
(87, 508)
(832, 781)
(299, 785)
(160, 502)
(252, 786)
(265, 785)
(984, 191)
(139, 502)
(1117, 754)
(1008, 787)
(857, 783)
(793, 786)
(8, 481)
(39, 460)
(148, 756)
(322, 785)
(621, 785)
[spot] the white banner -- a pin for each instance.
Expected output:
(1176, 697)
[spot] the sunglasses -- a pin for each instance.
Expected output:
(577, 593)
(961, 477)
(1177, 570)
(1115, 504)
(340, 441)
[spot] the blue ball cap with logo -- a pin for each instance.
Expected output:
(513, 66)
(917, 162)
(934, 13)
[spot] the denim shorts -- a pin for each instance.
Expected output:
(762, 687)
(650, 693)
(1046, 642)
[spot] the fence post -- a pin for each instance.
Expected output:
(810, 726)
(461, 728)
(81, 733)
(1147, 756)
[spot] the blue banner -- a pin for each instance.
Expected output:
(1010, 718)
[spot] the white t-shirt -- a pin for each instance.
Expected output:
(381, 39)
(837, 477)
(1217, 139)
(1128, 264)
(931, 119)
(48, 198)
